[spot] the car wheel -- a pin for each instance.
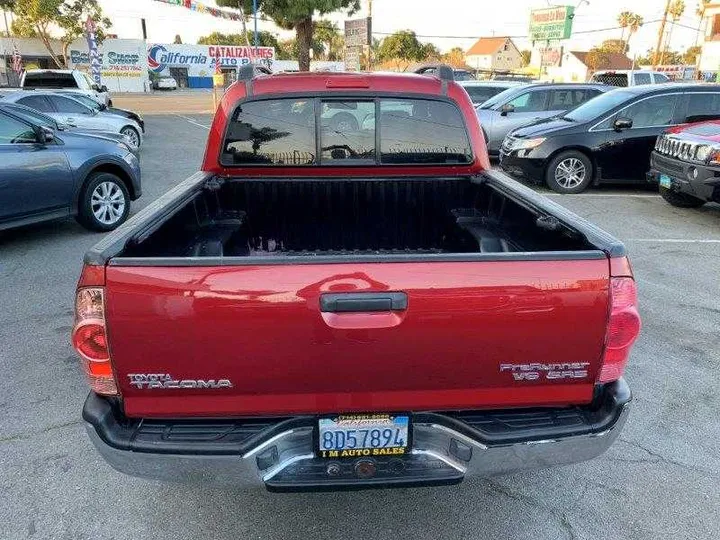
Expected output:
(131, 135)
(343, 122)
(680, 200)
(569, 172)
(104, 202)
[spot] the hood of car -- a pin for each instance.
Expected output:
(700, 131)
(545, 127)
(95, 141)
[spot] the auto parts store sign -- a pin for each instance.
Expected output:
(551, 23)
(200, 60)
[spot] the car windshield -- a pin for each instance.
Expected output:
(598, 105)
(502, 97)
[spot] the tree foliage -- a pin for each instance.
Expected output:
(597, 58)
(331, 41)
(690, 56)
(401, 46)
(38, 18)
(298, 15)
(525, 55)
(177, 40)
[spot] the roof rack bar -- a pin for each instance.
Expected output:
(441, 71)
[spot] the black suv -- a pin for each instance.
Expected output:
(607, 139)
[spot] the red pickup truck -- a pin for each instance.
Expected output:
(347, 296)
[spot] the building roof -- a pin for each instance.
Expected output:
(615, 60)
(29, 47)
(487, 45)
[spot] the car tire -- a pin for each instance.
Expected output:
(104, 202)
(343, 122)
(680, 200)
(132, 135)
(569, 172)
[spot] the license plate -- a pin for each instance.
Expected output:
(357, 435)
(665, 181)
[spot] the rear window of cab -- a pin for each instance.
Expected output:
(346, 131)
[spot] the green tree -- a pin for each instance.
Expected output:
(401, 46)
(690, 56)
(623, 20)
(245, 7)
(636, 21)
(525, 55)
(40, 17)
(597, 58)
(430, 52)
(329, 37)
(297, 15)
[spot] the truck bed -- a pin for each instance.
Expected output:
(314, 297)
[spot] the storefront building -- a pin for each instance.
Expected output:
(193, 66)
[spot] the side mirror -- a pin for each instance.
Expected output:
(103, 88)
(507, 108)
(95, 87)
(45, 135)
(622, 123)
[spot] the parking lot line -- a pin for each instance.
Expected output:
(623, 195)
(193, 121)
(677, 240)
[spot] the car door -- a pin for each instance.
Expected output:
(625, 155)
(522, 109)
(75, 114)
(699, 106)
(35, 177)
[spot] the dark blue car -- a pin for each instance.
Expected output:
(47, 174)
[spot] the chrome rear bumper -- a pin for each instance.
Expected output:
(444, 450)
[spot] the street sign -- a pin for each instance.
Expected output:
(551, 23)
(551, 56)
(358, 32)
(95, 62)
(352, 58)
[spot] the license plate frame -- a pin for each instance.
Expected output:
(665, 181)
(369, 421)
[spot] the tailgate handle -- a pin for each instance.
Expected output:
(363, 302)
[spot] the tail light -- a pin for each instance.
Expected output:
(623, 328)
(89, 338)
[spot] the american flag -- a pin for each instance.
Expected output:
(16, 60)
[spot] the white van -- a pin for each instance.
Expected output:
(67, 79)
(629, 77)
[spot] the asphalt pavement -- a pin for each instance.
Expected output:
(660, 480)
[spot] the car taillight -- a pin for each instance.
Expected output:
(623, 328)
(89, 338)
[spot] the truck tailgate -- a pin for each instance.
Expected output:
(471, 335)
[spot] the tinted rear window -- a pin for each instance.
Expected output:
(272, 132)
(417, 131)
(50, 80)
(479, 94)
(283, 132)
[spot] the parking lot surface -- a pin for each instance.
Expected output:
(660, 480)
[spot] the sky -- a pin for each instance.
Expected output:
(446, 23)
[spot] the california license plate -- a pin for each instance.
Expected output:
(357, 435)
(665, 181)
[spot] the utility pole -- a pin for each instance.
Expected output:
(369, 55)
(661, 33)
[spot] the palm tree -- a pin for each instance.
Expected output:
(676, 9)
(624, 21)
(636, 21)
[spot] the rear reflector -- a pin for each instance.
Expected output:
(623, 328)
(89, 339)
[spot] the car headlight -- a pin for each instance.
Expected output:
(703, 152)
(527, 144)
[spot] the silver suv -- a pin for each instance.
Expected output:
(523, 104)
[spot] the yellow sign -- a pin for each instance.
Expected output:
(218, 79)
